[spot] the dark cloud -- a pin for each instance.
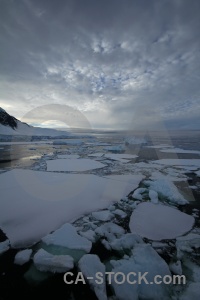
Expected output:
(116, 61)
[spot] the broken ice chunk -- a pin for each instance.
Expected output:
(89, 265)
(66, 236)
(23, 257)
(4, 246)
(46, 262)
(104, 215)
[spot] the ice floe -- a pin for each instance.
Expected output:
(89, 265)
(68, 142)
(192, 292)
(177, 150)
(144, 259)
(68, 156)
(115, 148)
(67, 236)
(46, 262)
(23, 257)
(187, 243)
(104, 215)
(135, 141)
(34, 203)
(166, 188)
(158, 222)
(153, 195)
(73, 165)
(4, 246)
(177, 162)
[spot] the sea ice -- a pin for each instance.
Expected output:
(46, 262)
(135, 141)
(4, 246)
(110, 231)
(23, 257)
(67, 236)
(176, 267)
(68, 142)
(120, 213)
(144, 259)
(191, 292)
(121, 157)
(34, 203)
(158, 222)
(153, 195)
(99, 154)
(89, 265)
(166, 188)
(127, 241)
(177, 150)
(137, 194)
(104, 215)
(68, 156)
(89, 234)
(116, 148)
(177, 162)
(73, 165)
(187, 243)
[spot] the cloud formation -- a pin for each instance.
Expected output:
(123, 64)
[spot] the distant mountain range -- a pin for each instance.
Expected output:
(9, 125)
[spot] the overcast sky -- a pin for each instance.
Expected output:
(123, 64)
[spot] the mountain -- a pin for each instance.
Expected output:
(9, 125)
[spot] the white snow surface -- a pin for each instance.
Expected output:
(73, 164)
(89, 265)
(4, 246)
(47, 262)
(67, 236)
(158, 222)
(34, 203)
(166, 188)
(23, 257)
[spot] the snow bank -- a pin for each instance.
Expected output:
(46, 262)
(158, 222)
(73, 165)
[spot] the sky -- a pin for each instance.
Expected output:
(122, 64)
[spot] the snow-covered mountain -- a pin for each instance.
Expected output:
(9, 125)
